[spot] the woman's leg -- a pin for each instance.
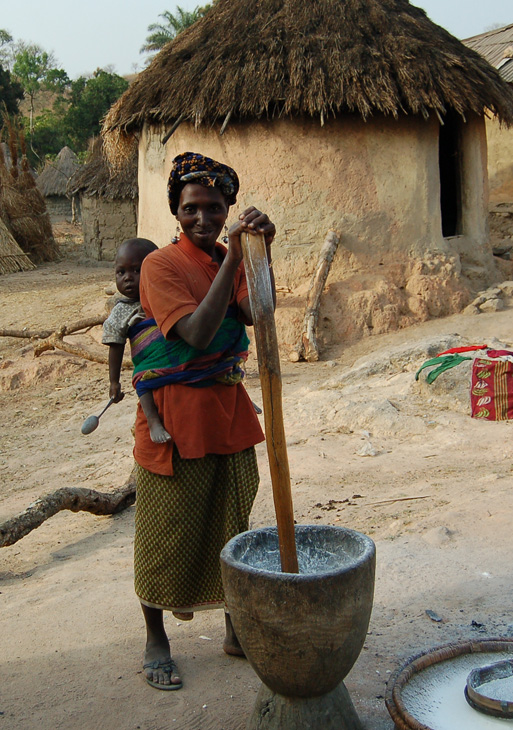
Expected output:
(231, 643)
(158, 665)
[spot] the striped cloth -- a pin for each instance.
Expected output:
(182, 522)
(491, 391)
(158, 362)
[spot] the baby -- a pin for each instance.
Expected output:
(125, 313)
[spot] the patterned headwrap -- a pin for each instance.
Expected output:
(190, 167)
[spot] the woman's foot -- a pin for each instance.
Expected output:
(159, 669)
(231, 644)
(162, 674)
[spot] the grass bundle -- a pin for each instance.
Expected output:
(23, 209)
(12, 257)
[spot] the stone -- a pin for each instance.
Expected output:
(492, 305)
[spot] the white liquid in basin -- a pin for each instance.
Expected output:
(435, 696)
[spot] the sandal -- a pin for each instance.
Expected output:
(168, 667)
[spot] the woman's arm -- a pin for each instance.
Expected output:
(199, 328)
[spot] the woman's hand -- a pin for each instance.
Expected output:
(251, 220)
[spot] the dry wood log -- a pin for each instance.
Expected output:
(67, 329)
(307, 348)
(75, 499)
(45, 340)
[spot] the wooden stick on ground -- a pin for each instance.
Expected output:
(75, 499)
(262, 308)
(45, 340)
(66, 329)
(307, 348)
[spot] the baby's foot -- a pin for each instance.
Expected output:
(158, 434)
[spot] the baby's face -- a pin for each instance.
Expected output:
(128, 272)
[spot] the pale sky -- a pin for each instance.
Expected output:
(100, 33)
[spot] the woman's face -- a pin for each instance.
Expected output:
(202, 214)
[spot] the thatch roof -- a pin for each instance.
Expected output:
(54, 178)
(12, 257)
(23, 211)
(248, 59)
(95, 178)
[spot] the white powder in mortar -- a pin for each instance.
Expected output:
(310, 559)
(435, 696)
(498, 689)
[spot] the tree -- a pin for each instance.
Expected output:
(5, 48)
(35, 69)
(162, 33)
(11, 93)
(90, 100)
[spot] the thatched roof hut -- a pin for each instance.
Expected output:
(24, 213)
(12, 258)
(95, 178)
(52, 183)
(108, 202)
(314, 57)
(358, 115)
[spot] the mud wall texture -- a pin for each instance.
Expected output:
(58, 207)
(376, 183)
(500, 162)
(106, 224)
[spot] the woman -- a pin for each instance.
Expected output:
(195, 492)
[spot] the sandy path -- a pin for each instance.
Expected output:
(72, 632)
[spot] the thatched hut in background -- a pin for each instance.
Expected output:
(357, 115)
(23, 210)
(52, 183)
(108, 203)
(497, 47)
(12, 257)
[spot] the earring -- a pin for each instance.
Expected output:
(225, 237)
(176, 237)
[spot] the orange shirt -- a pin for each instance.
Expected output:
(218, 419)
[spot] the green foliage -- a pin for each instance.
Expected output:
(162, 33)
(31, 67)
(35, 70)
(46, 138)
(90, 100)
(11, 93)
(6, 40)
(75, 116)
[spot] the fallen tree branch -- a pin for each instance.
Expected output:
(45, 340)
(307, 348)
(67, 329)
(75, 499)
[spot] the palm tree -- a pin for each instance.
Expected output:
(162, 33)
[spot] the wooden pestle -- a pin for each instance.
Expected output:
(262, 307)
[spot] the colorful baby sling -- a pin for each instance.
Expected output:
(158, 362)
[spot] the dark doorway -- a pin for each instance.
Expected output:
(449, 158)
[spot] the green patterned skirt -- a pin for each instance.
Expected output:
(182, 523)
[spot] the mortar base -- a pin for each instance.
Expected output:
(332, 711)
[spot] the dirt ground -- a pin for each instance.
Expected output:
(369, 448)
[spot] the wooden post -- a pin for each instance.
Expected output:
(307, 348)
(262, 308)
